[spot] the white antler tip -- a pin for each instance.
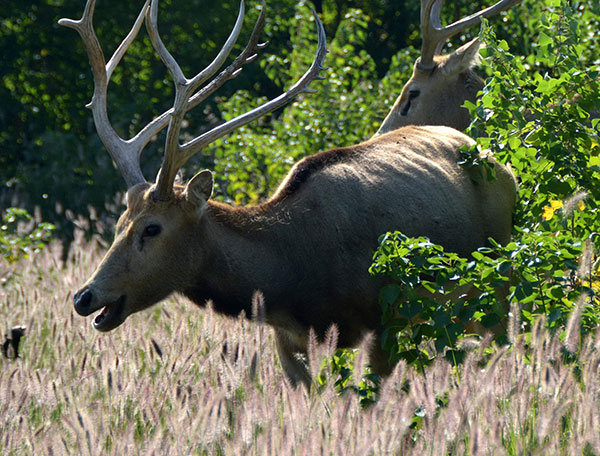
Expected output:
(65, 22)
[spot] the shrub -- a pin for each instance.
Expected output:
(20, 235)
(538, 114)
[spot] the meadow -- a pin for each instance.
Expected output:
(176, 379)
(181, 380)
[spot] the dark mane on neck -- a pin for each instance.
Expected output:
(310, 166)
(245, 219)
(249, 218)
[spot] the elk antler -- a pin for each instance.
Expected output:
(434, 34)
(176, 154)
(126, 153)
(121, 151)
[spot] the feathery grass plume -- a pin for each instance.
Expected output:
(391, 388)
(469, 344)
(538, 335)
(315, 354)
(576, 201)
(258, 307)
(259, 316)
(362, 356)
(514, 321)
(491, 368)
(572, 330)
(585, 268)
(331, 340)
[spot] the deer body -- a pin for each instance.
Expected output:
(309, 251)
(309, 247)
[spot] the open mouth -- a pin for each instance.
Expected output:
(111, 315)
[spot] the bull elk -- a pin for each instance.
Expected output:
(440, 84)
(309, 247)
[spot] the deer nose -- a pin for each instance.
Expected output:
(83, 300)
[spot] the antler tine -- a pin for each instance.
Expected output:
(123, 153)
(177, 155)
(219, 60)
(192, 147)
(160, 48)
(434, 35)
(184, 88)
(170, 62)
(429, 40)
(122, 49)
(247, 56)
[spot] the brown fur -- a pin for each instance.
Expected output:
(307, 249)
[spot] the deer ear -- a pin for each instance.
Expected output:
(199, 189)
(134, 193)
(464, 58)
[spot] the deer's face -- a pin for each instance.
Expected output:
(435, 96)
(147, 259)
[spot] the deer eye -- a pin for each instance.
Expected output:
(151, 231)
(412, 94)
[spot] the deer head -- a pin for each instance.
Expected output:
(440, 84)
(158, 214)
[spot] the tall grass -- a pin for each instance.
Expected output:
(179, 380)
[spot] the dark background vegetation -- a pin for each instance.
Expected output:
(51, 159)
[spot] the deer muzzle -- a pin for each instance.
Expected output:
(112, 315)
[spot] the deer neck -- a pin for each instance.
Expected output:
(238, 252)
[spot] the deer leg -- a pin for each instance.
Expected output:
(290, 355)
(379, 358)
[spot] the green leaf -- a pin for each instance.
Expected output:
(490, 320)
(441, 318)
(544, 40)
(410, 309)
(504, 266)
(389, 295)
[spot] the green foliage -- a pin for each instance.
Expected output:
(436, 298)
(342, 367)
(539, 114)
(20, 235)
(535, 113)
(431, 298)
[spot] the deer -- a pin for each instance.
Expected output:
(440, 84)
(308, 247)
